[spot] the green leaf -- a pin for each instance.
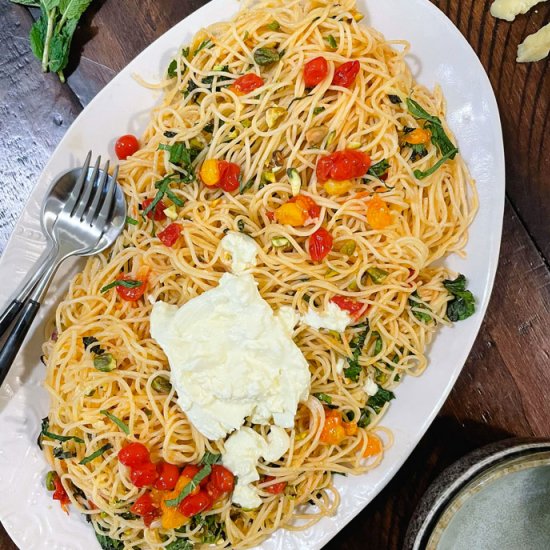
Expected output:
(60, 46)
(37, 36)
(266, 56)
(73, 9)
(124, 427)
(60, 454)
(29, 3)
(191, 486)
(377, 401)
(96, 454)
(417, 111)
(126, 283)
(49, 5)
(180, 544)
(378, 343)
(463, 304)
(419, 174)
(243, 187)
(131, 221)
(354, 369)
(324, 398)
(212, 529)
(419, 151)
(441, 140)
(204, 44)
(210, 458)
(418, 308)
(44, 432)
(108, 543)
(379, 169)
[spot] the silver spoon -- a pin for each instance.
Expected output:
(83, 213)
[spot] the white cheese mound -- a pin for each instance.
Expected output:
(241, 250)
(333, 318)
(243, 449)
(508, 9)
(231, 358)
(535, 47)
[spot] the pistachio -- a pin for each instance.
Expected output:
(316, 135)
(274, 115)
(295, 180)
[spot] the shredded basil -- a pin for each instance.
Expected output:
(379, 169)
(204, 44)
(377, 401)
(126, 283)
(61, 454)
(331, 41)
(354, 369)
(324, 398)
(131, 221)
(418, 308)
(96, 454)
(210, 458)
(44, 432)
(124, 427)
(243, 187)
(191, 486)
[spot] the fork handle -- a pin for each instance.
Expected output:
(17, 336)
(8, 315)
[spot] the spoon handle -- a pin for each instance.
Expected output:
(16, 337)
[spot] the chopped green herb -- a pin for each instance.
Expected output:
(96, 454)
(377, 275)
(354, 369)
(105, 362)
(318, 110)
(131, 221)
(161, 384)
(243, 187)
(377, 401)
(210, 458)
(191, 486)
(395, 99)
(418, 308)
(183, 157)
(163, 188)
(180, 544)
(212, 529)
(124, 427)
(324, 398)
(379, 169)
(126, 283)
(419, 151)
(60, 454)
(462, 305)
(172, 69)
(204, 44)
(266, 56)
(364, 419)
(221, 80)
(274, 26)
(108, 543)
(331, 41)
(378, 342)
(44, 432)
(419, 174)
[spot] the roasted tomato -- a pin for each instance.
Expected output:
(320, 244)
(343, 165)
(246, 84)
(346, 74)
(315, 71)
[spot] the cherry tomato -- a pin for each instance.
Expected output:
(222, 478)
(195, 504)
(170, 235)
(308, 204)
(246, 84)
(191, 470)
(60, 493)
(133, 454)
(315, 71)
(320, 244)
(131, 294)
(333, 432)
(342, 165)
(353, 307)
(229, 175)
(144, 475)
(157, 213)
(345, 74)
(144, 505)
(214, 492)
(270, 215)
(126, 146)
(276, 488)
(168, 476)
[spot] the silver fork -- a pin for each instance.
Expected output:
(83, 213)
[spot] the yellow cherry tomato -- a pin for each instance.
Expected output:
(418, 136)
(210, 172)
(337, 187)
(378, 213)
(292, 214)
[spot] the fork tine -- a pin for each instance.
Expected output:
(88, 188)
(103, 215)
(98, 194)
(77, 189)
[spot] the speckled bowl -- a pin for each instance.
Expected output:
(495, 498)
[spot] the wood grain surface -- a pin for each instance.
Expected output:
(502, 390)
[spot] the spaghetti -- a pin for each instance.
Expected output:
(387, 227)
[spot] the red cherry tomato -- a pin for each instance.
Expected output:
(170, 235)
(126, 146)
(342, 165)
(168, 476)
(307, 203)
(276, 488)
(60, 493)
(191, 470)
(133, 454)
(222, 478)
(320, 244)
(144, 475)
(246, 84)
(315, 71)
(345, 74)
(353, 307)
(270, 215)
(144, 505)
(157, 213)
(229, 176)
(195, 504)
(214, 492)
(131, 294)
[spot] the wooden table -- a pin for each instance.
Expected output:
(502, 391)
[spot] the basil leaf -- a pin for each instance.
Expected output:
(379, 169)
(44, 432)
(378, 342)
(243, 187)
(266, 56)
(210, 458)
(418, 308)
(172, 69)
(354, 369)
(108, 543)
(60, 454)
(456, 285)
(377, 401)
(212, 529)
(131, 221)
(180, 544)
(419, 174)
(124, 427)
(324, 398)
(417, 111)
(96, 454)
(191, 486)
(126, 283)
(204, 44)
(463, 304)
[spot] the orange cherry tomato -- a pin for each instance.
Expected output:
(353, 307)
(343, 165)
(374, 446)
(157, 213)
(126, 146)
(246, 84)
(133, 454)
(144, 475)
(168, 475)
(320, 244)
(291, 214)
(195, 504)
(378, 213)
(222, 478)
(333, 432)
(346, 74)
(315, 71)
(276, 488)
(60, 493)
(308, 204)
(229, 176)
(170, 235)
